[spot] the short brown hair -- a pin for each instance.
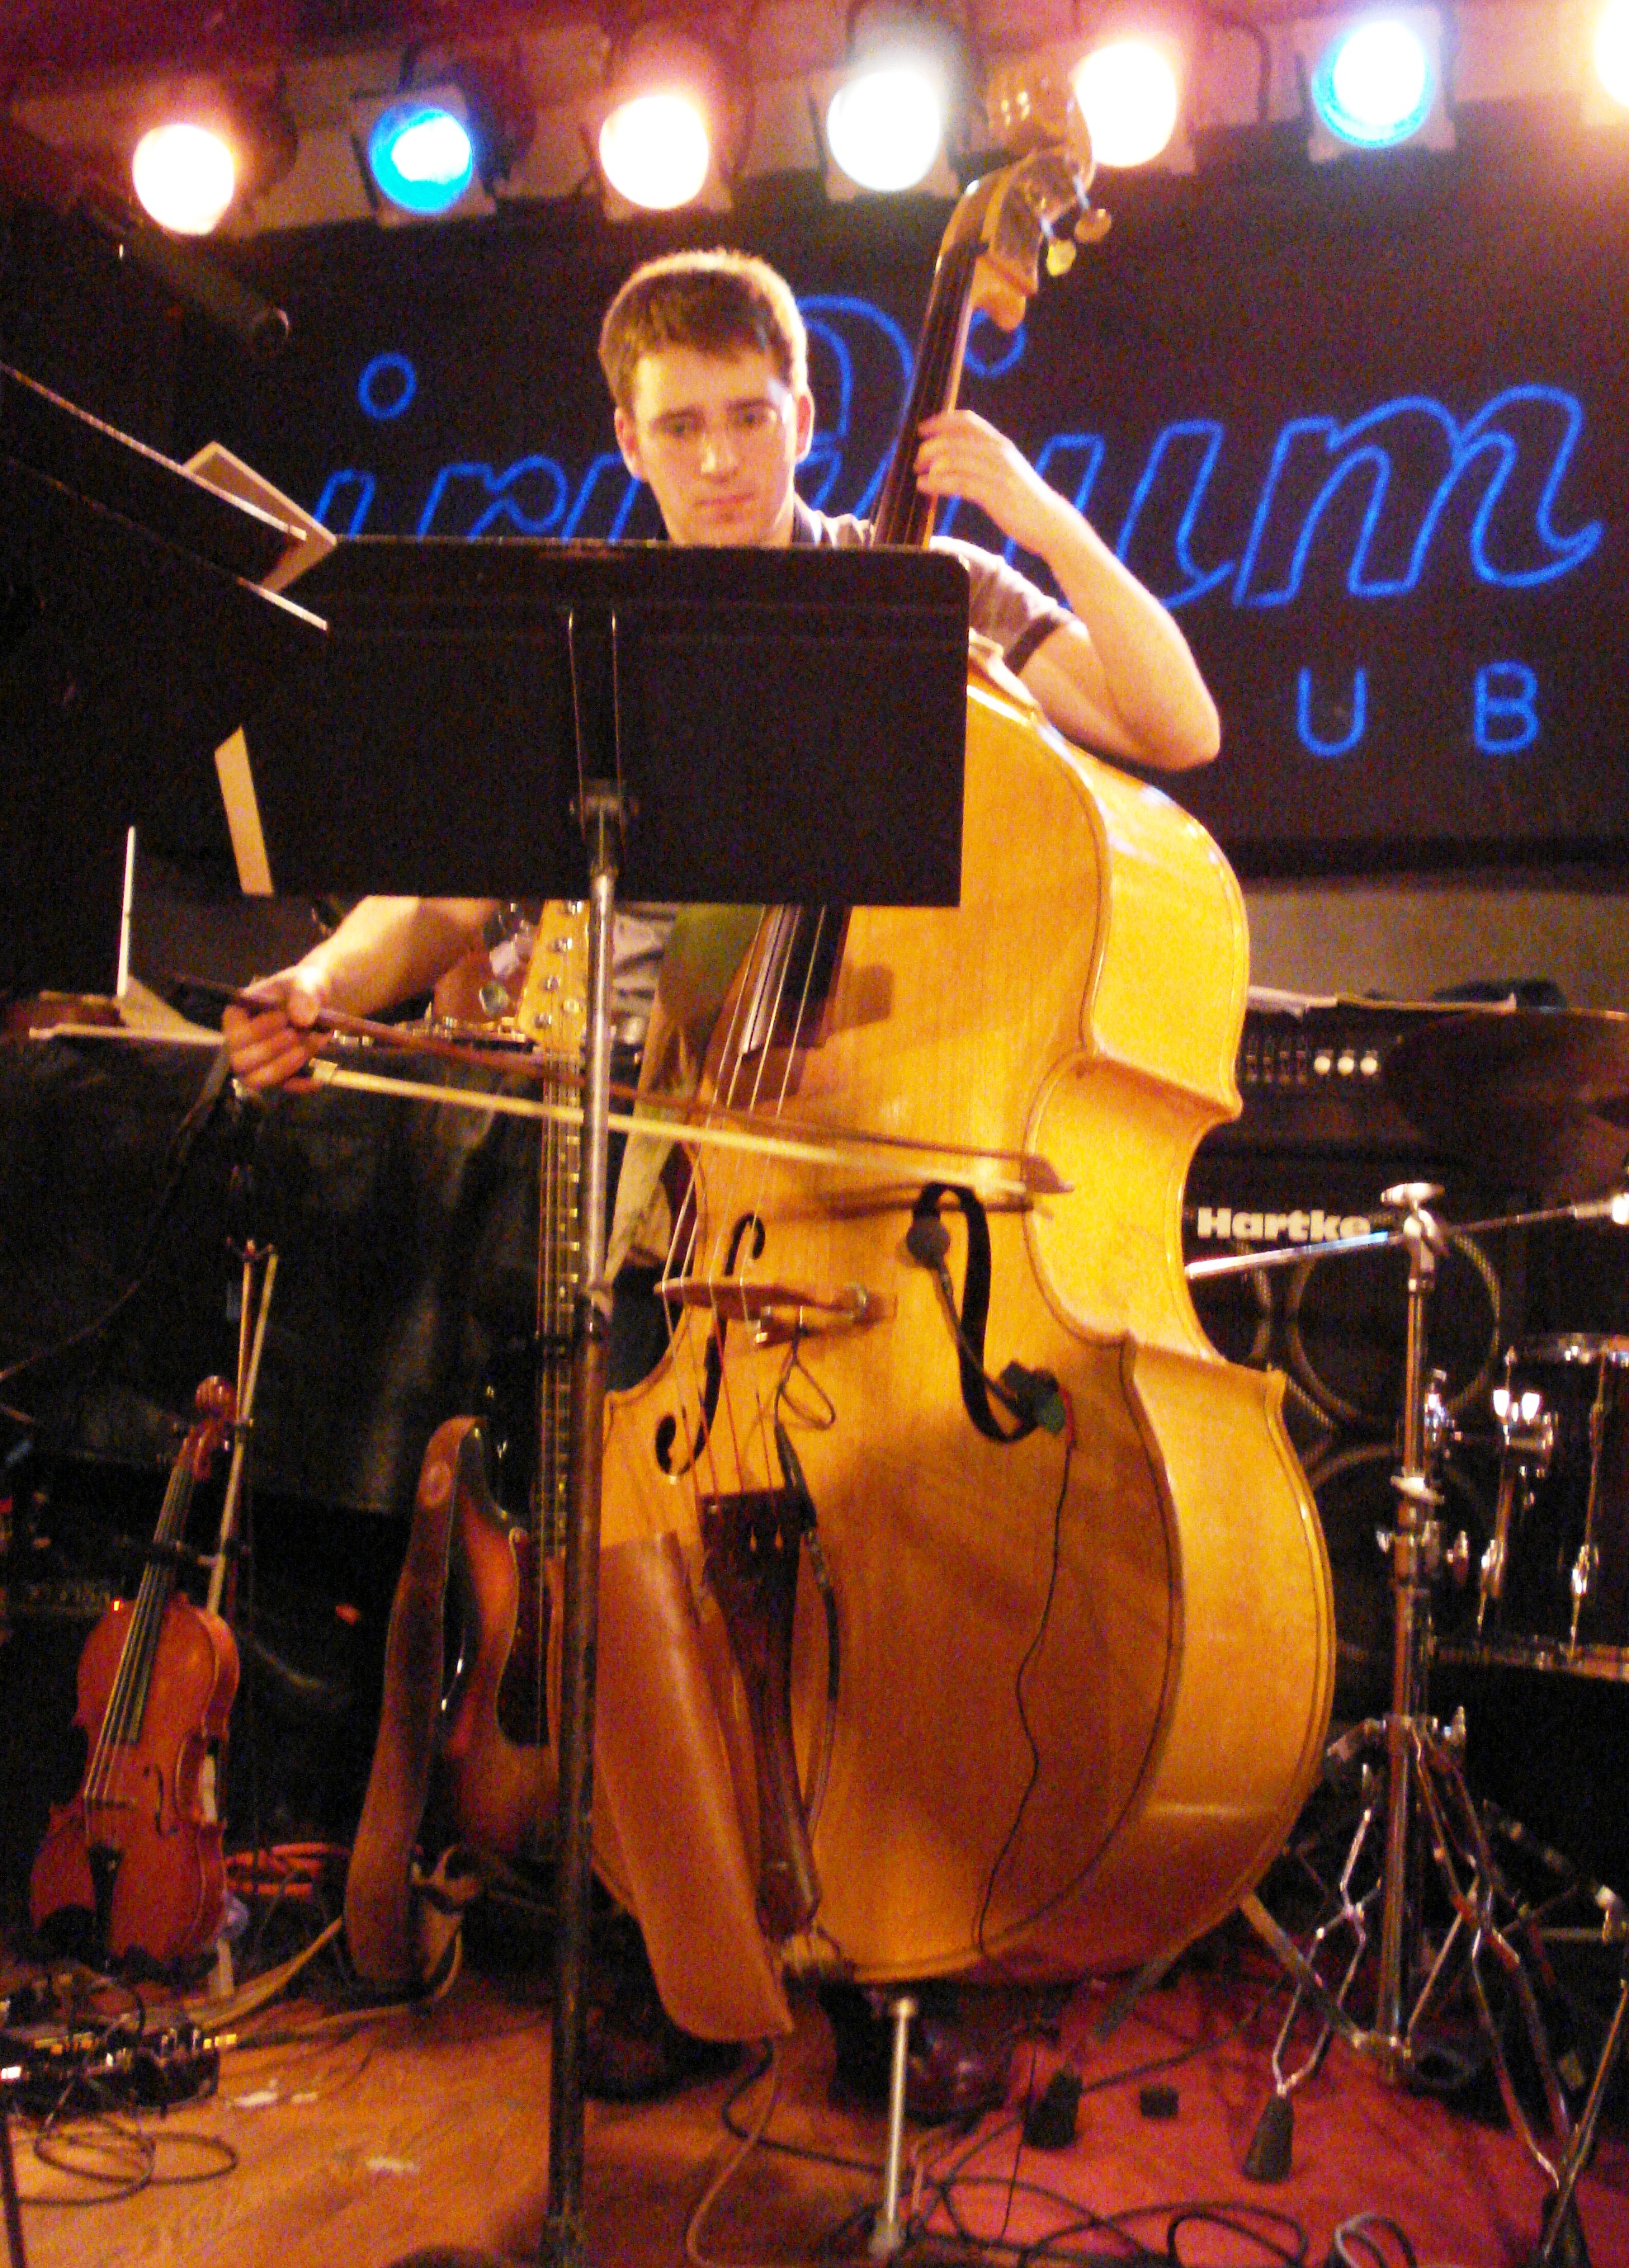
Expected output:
(721, 302)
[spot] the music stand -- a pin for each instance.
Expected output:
(730, 726)
(131, 640)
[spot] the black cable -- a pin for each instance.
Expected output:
(1030, 1652)
(1077, 2221)
(1179, 2056)
(1018, 2150)
(91, 2112)
(51, 2141)
(1234, 2218)
(1356, 2231)
(943, 2184)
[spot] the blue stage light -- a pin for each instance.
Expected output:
(1375, 85)
(421, 154)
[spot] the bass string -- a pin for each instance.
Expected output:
(688, 1384)
(685, 1358)
(745, 1089)
(938, 370)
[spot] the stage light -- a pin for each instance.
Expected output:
(884, 125)
(656, 148)
(185, 176)
(424, 149)
(1374, 86)
(202, 151)
(668, 123)
(1611, 50)
(1129, 94)
(421, 151)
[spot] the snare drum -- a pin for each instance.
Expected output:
(1554, 1581)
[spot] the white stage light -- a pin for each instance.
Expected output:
(886, 124)
(1611, 50)
(184, 177)
(1129, 96)
(1373, 86)
(655, 149)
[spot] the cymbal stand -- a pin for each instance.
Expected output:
(1427, 1807)
(1559, 2227)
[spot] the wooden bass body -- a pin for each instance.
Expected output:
(1083, 1689)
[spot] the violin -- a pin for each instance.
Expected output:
(133, 1864)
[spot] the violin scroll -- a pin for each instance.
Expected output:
(215, 1407)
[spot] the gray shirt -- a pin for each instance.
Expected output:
(1002, 604)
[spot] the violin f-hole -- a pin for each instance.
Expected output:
(713, 1365)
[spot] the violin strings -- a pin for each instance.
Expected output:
(122, 1717)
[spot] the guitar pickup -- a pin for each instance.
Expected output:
(777, 1312)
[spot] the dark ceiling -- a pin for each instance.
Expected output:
(42, 38)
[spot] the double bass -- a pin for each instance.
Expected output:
(951, 1582)
(134, 1862)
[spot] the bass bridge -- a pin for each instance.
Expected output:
(779, 1312)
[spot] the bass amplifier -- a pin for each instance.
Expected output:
(1318, 1141)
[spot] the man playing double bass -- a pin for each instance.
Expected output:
(707, 359)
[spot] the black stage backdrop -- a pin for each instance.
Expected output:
(1363, 427)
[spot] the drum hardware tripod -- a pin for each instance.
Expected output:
(1427, 1802)
(1559, 2237)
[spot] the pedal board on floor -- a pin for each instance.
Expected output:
(55, 2071)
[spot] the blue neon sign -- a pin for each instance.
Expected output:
(1374, 507)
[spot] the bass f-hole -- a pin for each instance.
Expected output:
(712, 1361)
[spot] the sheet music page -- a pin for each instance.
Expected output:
(1269, 1000)
(219, 469)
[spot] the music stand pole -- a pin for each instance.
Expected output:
(563, 2243)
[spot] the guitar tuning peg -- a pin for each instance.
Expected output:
(1092, 226)
(1059, 256)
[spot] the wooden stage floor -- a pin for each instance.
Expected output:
(340, 2140)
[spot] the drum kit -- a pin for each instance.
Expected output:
(1541, 1097)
